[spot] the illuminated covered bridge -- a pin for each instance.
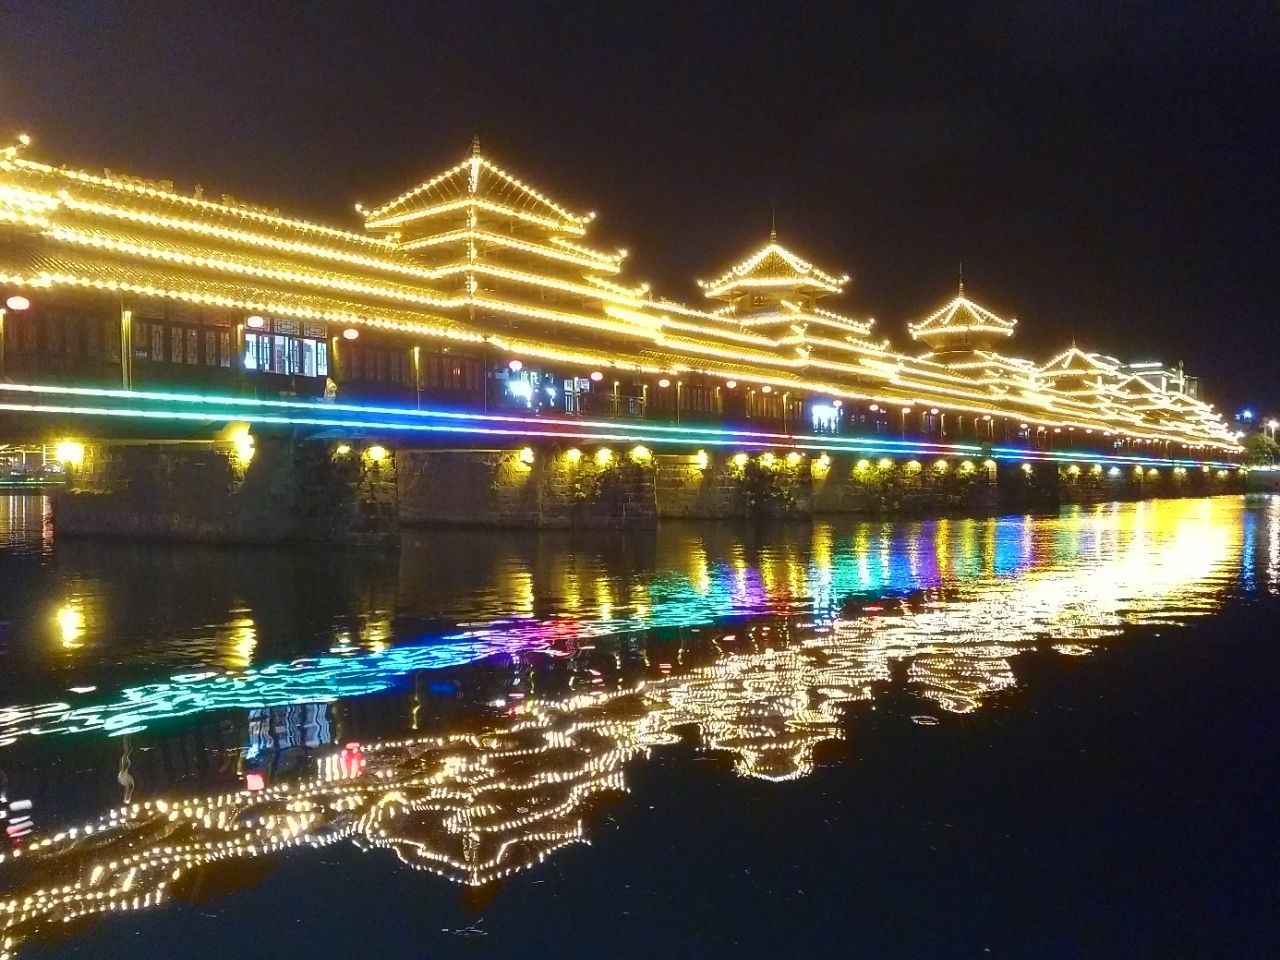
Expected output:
(473, 323)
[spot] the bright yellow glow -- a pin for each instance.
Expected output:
(884, 463)
(17, 303)
(70, 620)
(641, 454)
(966, 466)
(342, 449)
(242, 444)
(242, 640)
(767, 459)
(573, 454)
(912, 466)
(739, 460)
(940, 466)
(69, 452)
(526, 455)
(603, 456)
(1073, 470)
(376, 454)
(1026, 468)
(793, 458)
(701, 460)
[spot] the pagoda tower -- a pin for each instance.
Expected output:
(961, 327)
(492, 237)
(1086, 376)
(776, 292)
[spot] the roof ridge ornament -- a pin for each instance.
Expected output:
(475, 145)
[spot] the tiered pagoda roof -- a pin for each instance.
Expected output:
(961, 324)
(474, 185)
(772, 267)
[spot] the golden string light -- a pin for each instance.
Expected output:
(144, 239)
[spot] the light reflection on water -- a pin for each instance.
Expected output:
(461, 704)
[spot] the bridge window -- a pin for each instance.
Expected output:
(287, 355)
(448, 371)
(826, 418)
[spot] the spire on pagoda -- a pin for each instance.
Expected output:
(961, 325)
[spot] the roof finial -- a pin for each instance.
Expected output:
(475, 145)
(961, 278)
(773, 221)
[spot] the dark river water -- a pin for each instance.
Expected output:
(1022, 737)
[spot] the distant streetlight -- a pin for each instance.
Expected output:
(1271, 427)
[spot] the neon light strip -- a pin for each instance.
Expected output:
(457, 423)
(677, 432)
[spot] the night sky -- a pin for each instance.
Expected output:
(1104, 170)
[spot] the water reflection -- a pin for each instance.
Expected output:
(476, 748)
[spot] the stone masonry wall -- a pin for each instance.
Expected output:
(560, 487)
(1087, 483)
(291, 490)
(719, 486)
(297, 489)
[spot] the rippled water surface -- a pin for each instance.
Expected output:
(1020, 737)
